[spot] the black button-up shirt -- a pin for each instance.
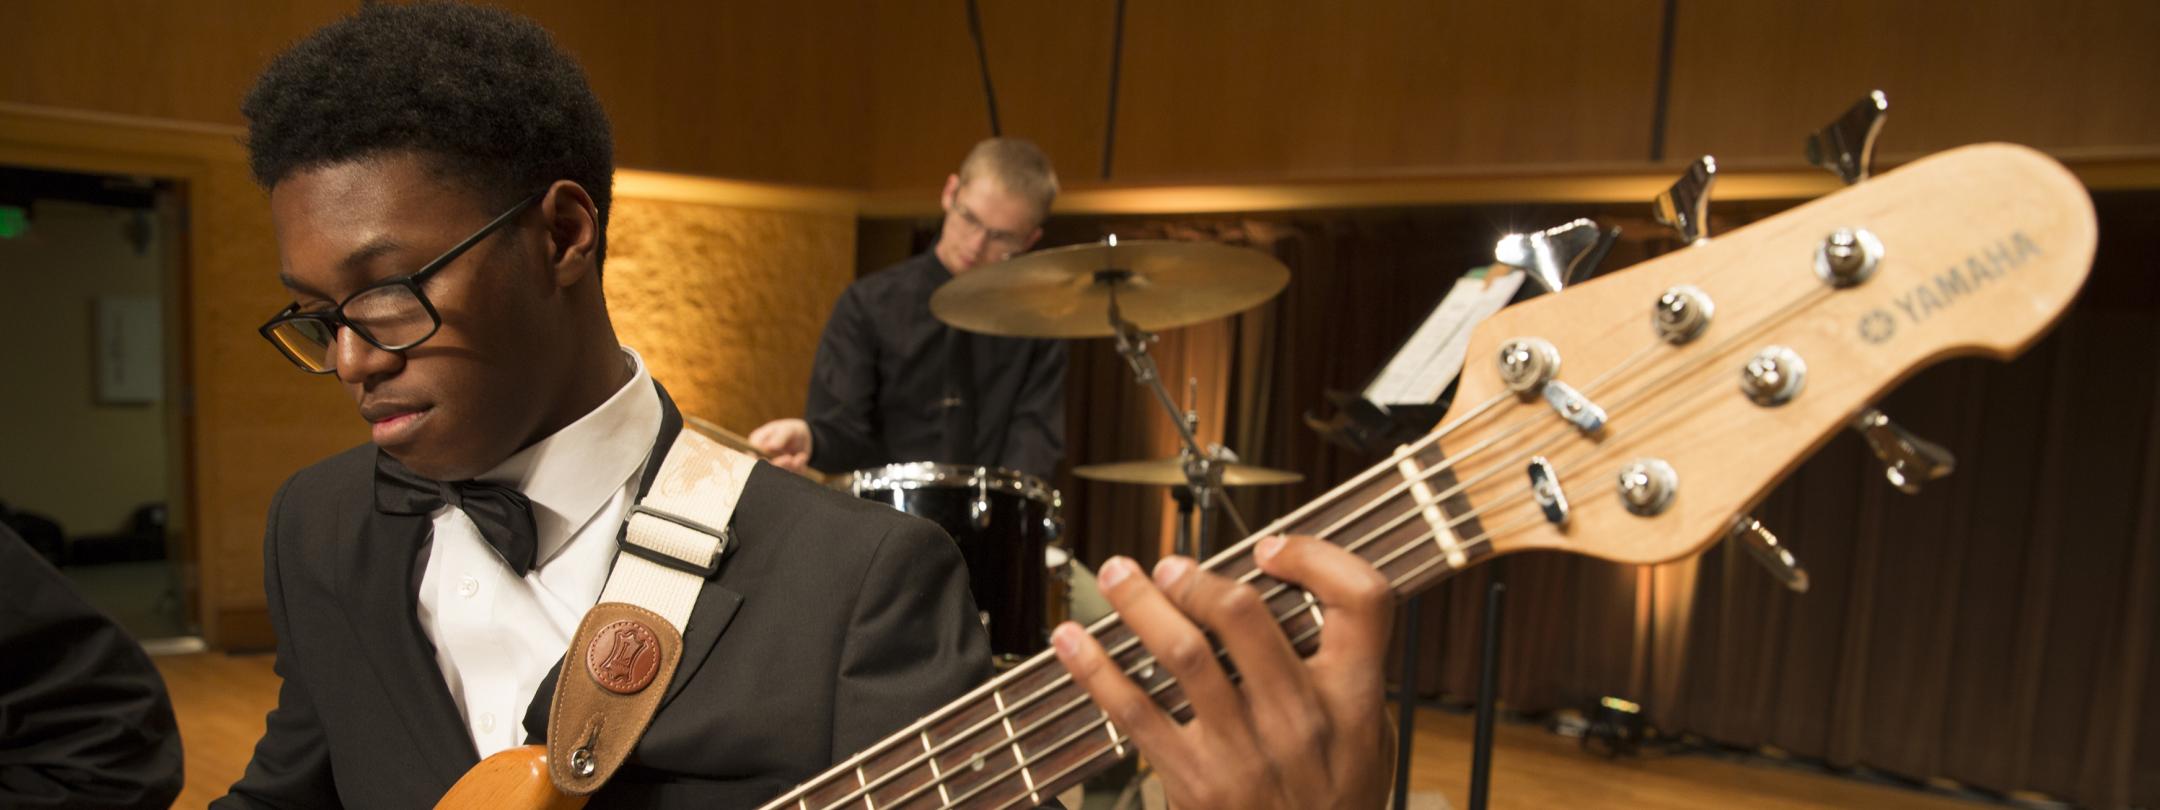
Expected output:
(882, 391)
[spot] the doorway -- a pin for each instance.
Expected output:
(93, 454)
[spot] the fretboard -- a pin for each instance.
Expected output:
(1030, 733)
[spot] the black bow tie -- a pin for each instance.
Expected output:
(504, 515)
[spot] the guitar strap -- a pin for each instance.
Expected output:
(626, 650)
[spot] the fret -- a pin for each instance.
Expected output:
(1303, 629)
(898, 777)
(1084, 755)
(1013, 739)
(937, 776)
(1116, 744)
(1057, 713)
(976, 757)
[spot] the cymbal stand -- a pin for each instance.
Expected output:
(1203, 468)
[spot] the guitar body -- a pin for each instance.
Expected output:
(516, 779)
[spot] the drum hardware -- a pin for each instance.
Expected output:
(1203, 468)
(1170, 472)
(1140, 285)
(1062, 292)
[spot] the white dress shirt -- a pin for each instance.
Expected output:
(496, 635)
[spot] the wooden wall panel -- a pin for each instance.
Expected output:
(1750, 80)
(189, 61)
(886, 96)
(743, 89)
(1234, 90)
(1050, 63)
(1224, 90)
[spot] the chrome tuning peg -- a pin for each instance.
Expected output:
(1685, 207)
(1908, 460)
(1749, 534)
(1554, 257)
(1846, 147)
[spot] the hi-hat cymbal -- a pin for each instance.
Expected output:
(1170, 472)
(1065, 292)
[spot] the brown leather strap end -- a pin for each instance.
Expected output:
(619, 665)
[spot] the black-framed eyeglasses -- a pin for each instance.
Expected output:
(994, 236)
(392, 314)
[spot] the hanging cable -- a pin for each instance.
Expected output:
(1664, 82)
(1117, 54)
(982, 60)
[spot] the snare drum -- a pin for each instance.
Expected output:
(1002, 520)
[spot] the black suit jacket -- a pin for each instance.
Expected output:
(84, 721)
(833, 623)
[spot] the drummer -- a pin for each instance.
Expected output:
(893, 384)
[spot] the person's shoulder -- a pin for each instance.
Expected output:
(914, 271)
(345, 476)
(353, 465)
(771, 486)
(837, 521)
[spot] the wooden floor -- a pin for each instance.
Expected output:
(221, 700)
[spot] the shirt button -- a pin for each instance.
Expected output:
(467, 586)
(487, 722)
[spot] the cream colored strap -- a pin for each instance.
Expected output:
(625, 652)
(675, 537)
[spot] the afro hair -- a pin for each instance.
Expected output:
(483, 93)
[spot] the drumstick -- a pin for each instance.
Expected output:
(736, 441)
(725, 436)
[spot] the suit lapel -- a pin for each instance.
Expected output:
(383, 552)
(716, 606)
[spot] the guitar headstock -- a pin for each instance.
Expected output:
(1974, 251)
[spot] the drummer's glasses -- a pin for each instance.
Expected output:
(1012, 242)
(392, 315)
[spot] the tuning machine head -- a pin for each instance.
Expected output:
(1556, 256)
(1908, 460)
(1846, 147)
(1685, 206)
(1760, 544)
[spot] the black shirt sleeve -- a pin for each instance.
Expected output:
(84, 718)
(843, 389)
(1035, 438)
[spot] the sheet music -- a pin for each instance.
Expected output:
(1434, 354)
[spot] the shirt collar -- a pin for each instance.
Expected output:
(572, 473)
(938, 271)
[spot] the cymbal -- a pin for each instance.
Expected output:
(1170, 472)
(1065, 292)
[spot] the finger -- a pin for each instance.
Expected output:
(1122, 702)
(1174, 643)
(1273, 672)
(764, 440)
(1356, 600)
(1294, 724)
